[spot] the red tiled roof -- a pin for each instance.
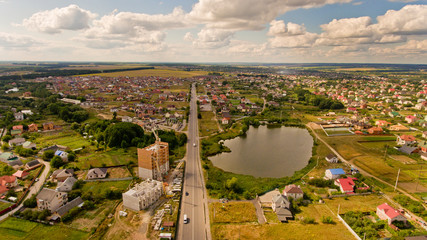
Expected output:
(389, 211)
(408, 138)
(347, 184)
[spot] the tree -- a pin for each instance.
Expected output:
(31, 202)
(7, 138)
(48, 154)
(56, 162)
(116, 133)
(43, 215)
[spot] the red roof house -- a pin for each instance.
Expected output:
(21, 174)
(346, 184)
(386, 212)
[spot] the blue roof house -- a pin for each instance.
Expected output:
(334, 173)
(63, 155)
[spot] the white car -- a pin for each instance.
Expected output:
(194, 145)
(185, 218)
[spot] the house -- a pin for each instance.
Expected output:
(67, 185)
(63, 155)
(48, 126)
(6, 183)
(50, 199)
(351, 109)
(143, 195)
(332, 158)
(61, 211)
(8, 157)
(375, 130)
(15, 132)
(425, 134)
(33, 164)
(16, 142)
(21, 174)
(97, 173)
(410, 119)
(423, 146)
(15, 163)
(61, 175)
(394, 114)
(226, 117)
(293, 191)
(398, 127)
(33, 127)
(29, 145)
(346, 184)
(382, 123)
(408, 149)
(281, 206)
(386, 212)
(54, 148)
(27, 112)
(405, 140)
(19, 116)
(334, 173)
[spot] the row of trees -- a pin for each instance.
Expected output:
(320, 101)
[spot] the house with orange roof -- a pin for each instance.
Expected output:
(405, 140)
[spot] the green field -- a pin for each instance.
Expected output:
(14, 229)
(4, 205)
(97, 187)
(68, 138)
(110, 158)
(207, 124)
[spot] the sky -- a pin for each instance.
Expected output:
(264, 31)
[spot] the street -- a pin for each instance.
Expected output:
(194, 205)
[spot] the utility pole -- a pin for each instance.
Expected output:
(397, 179)
(385, 153)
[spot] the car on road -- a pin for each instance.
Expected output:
(185, 219)
(37, 179)
(194, 145)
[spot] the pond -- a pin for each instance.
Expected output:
(267, 152)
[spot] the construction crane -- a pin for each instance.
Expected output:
(157, 146)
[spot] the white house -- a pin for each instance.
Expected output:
(50, 199)
(293, 191)
(331, 158)
(142, 195)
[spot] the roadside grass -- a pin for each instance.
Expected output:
(112, 157)
(207, 124)
(153, 72)
(233, 212)
(15, 228)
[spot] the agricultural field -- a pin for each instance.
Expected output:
(154, 73)
(68, 138)
(91, 219)
(16, 229)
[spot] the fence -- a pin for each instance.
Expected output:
(349, 228)
(109, 179)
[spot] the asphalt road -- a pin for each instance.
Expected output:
(33, 190)
(195, 204)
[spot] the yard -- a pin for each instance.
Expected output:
(68, 138)
(91, 219)
(233, 212)
(98, 187)
(14, 229)
(110, 158)
(118, 172)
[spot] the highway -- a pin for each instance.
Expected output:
(194, 205)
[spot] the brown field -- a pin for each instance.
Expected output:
(233, 212)
(103, 67)
(403, 159)
(358, 69)
(154, 73)
(118, 172)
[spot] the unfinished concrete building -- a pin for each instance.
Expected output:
(148, 158)
(142, 195)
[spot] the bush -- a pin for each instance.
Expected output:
(327, 220)
(308, 220)
(48, 154)
(56, 162)
(31, 202)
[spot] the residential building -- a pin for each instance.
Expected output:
(386, 212)
(398, 127)
(33, 127)
(142, 195)
(19, 116)
(410, 119)
(33, 164)
(375, 130)
(61, 175)
(334, 173)
(20, 174)
(16, 142)
(67, 185)
(48, 126)
(61, 211)
(149, 157)
(7, 183)
(96, 173)
(331, 158)
(408, 149)
(29, 145)
(346, 184)
(8, 157)
(293, 191)
(63, 155)
(405, 140)
(281, 206)
(50, 199)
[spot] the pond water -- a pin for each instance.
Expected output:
(267, 152)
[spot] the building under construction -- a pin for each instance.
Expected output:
(149, 157)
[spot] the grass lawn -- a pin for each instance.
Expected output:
(14, 228)
(91, 219)
(233, 212)
(4, 205)
(97, 187)
(207, 124)
(154, 73)
(366, 203)
(109, 158)
(67, 138)
(118, 172)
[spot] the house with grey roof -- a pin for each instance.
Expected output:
(16, 142)
(67, 185)
(96, 173)
(60, 212)
(50, 199)
(61, 175)
(33, 164)
(281, 206)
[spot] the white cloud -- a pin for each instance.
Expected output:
(212, 38)
(247, 14)
(238, 46)
(411, 19)
(414, 46)
(298, 41)
(8, 40)
(405, 1)
(281, 28)
(348, 28)
(58, 19)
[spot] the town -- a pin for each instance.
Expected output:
(118, 155)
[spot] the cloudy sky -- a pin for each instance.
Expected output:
(287, 31)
